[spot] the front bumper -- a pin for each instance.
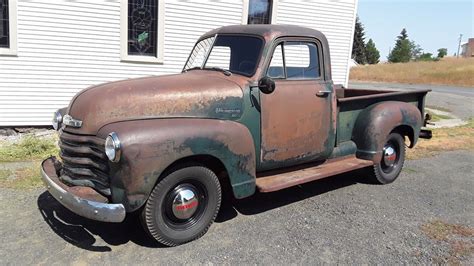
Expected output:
(83, 201)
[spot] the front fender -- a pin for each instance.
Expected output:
(375, 123)
(150, 146)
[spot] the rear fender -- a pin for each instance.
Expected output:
(375, 123)
(151, 146)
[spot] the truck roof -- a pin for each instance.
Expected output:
(269, 32)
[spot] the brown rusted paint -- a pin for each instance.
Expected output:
(150, 146)
(296, 124)
(357, 95)
(87, 193)
(191, 94)
(376, 122)
(276, 180)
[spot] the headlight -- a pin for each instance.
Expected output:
(112, 147)
(57, 120)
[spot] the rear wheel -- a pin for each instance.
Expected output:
(183, 205)
(393, 158)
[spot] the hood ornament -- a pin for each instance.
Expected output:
(69, 121)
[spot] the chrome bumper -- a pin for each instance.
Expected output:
(83, 201)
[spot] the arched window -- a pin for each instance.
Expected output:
(260, 12)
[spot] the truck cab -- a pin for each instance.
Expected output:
(255, 108)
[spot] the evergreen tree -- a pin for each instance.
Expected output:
(371, 52)
(402, 52)
(358, 47)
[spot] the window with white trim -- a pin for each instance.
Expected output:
(8, 27)
(142, 27)
(142, 30)
(260, 12)
(4, 24)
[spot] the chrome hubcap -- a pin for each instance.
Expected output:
(185, 203)
(389, 155)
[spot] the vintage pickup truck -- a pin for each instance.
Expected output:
(254, 108)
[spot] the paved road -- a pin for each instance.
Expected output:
(338, 220)
(459, 100)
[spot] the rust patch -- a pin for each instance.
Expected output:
(150, 146)
(276, 180)
(191, 94)
(296, 124)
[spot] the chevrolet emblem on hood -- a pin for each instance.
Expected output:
(69, 121)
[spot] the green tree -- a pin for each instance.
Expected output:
(442, 52)
(426, 57)
(371, 52)
(415, 50)
(358, 47)
(402, 51)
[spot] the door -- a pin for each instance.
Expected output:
(296, 119)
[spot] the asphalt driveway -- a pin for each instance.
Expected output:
(458, 100)
(337, 220)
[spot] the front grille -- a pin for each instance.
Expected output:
(84, 161)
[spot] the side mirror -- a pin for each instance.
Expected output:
(266, 85)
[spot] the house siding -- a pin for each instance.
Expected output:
(66, 46)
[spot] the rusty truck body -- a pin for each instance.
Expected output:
(255, 108)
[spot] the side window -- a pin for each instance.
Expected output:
(276, 68)
(219, 57)
(301, 60)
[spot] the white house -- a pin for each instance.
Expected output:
(51, 49)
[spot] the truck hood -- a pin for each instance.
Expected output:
(199, 94)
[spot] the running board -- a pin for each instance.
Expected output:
(273, 181)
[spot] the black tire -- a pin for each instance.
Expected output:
(165, 217)
(390, 166)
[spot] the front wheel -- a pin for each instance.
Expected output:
(183, 205)
(393, 158)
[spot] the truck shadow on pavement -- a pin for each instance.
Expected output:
(82, 232)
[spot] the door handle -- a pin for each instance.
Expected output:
(323, 93)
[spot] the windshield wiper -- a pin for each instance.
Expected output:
(225, 71)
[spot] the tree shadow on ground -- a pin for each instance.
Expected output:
(82, 232)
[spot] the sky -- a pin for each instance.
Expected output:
(432, 24)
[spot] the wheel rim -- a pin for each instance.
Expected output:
(390, 157)
(184, 205)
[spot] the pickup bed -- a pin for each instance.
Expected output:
(254, 108)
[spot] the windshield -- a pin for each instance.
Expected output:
(237, 54)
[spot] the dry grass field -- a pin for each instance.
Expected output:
(445, 139)
(448, 71)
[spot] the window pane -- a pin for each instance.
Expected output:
(259, 12)
(238, 54)
(199, 53)
(4, 27)
(275, 70)
(219, 57)
(301, 60)
(142, 27)
(244, 53)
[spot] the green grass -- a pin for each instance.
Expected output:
(22, 178)
(438, 117)
(28, 148)
(445, 139)
(439, 108)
